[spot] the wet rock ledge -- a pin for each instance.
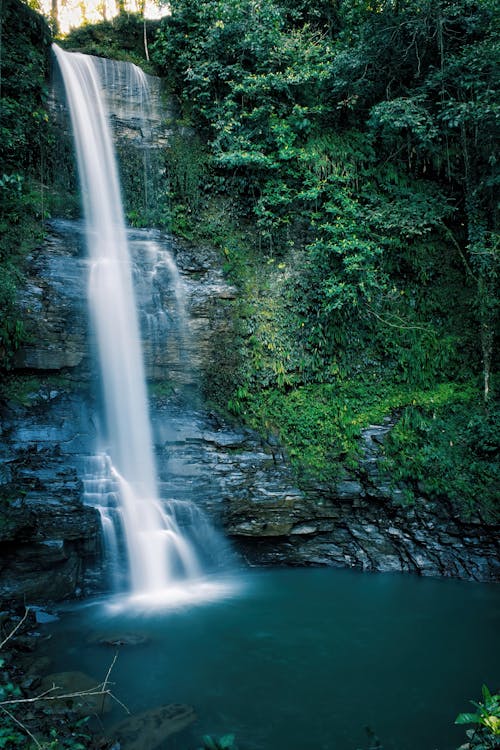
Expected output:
(47, 535)
(359, 523)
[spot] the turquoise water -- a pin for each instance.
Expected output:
(303, 659)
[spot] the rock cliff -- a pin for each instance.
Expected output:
(51, 541)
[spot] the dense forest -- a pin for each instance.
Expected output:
(341, 156)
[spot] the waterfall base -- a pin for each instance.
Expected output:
(190, 593)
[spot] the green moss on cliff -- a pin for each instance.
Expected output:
(25, 144)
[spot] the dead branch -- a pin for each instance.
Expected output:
(2, 644)
(401, 325)
(21, 725)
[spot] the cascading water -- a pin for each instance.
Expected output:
(158, 554)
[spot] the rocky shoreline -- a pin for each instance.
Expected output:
(67, 708)
(362, 522)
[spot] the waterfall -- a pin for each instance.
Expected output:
(158, 554)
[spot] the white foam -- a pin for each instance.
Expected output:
(176, 596)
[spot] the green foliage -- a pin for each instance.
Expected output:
(12, 737)
(12, 332)
(26, 390)
(449, 451)
(25, 50)
(320, 424)
(24, 137)
(352, 148)
(357, 136)
(121, 38)
(188, 181)
(486, 718)
(144, 193)
(17, 239)
(38, 728)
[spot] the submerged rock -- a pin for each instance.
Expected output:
(148, 730)
(120, 639)
(77, 690)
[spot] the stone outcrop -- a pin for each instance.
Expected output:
(366, 533)
(47, 535)
(54, 304)
(360, 522)
(178, 334)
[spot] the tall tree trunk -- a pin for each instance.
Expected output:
(54, 16)
(142, 10)
(485, 265)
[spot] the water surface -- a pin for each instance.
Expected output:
(303, 659)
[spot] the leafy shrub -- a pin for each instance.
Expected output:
(449, 450)
(485, 734)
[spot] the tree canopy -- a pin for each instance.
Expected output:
(352, 144)
(364, 134)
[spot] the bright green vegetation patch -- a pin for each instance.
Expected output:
(321, 423)
(449, 450)
(161, 390)
(485, 720)
(444, 444)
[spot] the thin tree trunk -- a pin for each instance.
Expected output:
(54, 16)
(145, 36)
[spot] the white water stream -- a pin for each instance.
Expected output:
(158, 554)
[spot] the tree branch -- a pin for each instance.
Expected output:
(397, 325)
(21, 725)
(2, 644)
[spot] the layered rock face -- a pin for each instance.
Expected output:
(362, 523)
(48, 537)
(54, 304)
(51, 541)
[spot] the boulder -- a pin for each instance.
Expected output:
(150, 729)
(119, 639)
(82, 693)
